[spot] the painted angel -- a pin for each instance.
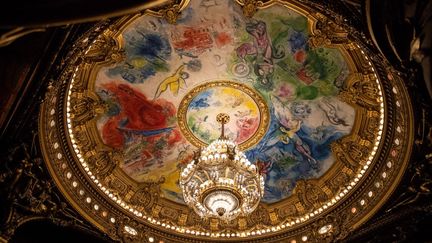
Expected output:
(173, 82)
(289, 128)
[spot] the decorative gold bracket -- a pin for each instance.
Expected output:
(170, 13)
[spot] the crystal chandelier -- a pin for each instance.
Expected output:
(220, 182)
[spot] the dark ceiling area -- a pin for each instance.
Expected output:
(31, 14)
(46, 231)
(35, 38)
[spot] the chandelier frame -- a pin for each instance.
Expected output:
(221, 169)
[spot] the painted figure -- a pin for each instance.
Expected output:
(139, 121)
(289, 128)
(331, 113)
(247, 126)
(261, 49)
(300, 146)
(174, 82)
(263, 167)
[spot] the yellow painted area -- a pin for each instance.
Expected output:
(170, 181)
(246, 101)
(138, 62)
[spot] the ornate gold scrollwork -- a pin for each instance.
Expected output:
(351, 153)
(85, 107)
(147, 196)
(242, 224)
(340, 179)
(104, 49)
(327, 32)
(319, 40)
(182, 219)
(361, 91)
(118, 186)
(169, 213)
(194, 219)
(310, 195)
(250, 7)
(259, 217)
(103, 162)
(230, 225)
(369, 130)
(83, 138)
(170, 13)
(287, 212)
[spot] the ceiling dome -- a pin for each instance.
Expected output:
(323, 119)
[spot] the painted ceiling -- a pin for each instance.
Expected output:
(286, 97)
(306, 103)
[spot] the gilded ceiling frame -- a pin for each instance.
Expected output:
(103, 47)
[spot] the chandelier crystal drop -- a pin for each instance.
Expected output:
(220, 182)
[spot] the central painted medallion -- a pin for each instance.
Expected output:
(201, 105)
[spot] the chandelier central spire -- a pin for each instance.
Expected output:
(220, 181)
(223, 119)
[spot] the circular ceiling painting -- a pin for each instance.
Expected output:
(237, 100)
(324, 123)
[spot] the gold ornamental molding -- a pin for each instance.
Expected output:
(369, 162)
